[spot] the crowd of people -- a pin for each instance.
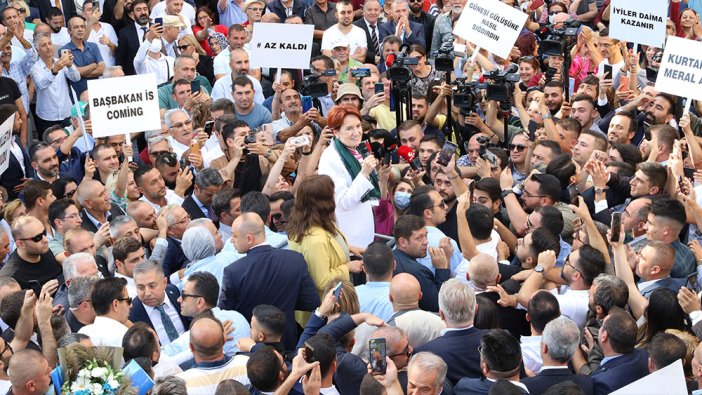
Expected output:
(372, 225)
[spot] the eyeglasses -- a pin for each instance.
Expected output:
(405, 351)
(527, 58)
(183, 47)
(7, 347)
(255, 9)
(157, 153)
(567, 263)
(36, 238)
(59, 140)
(181, 124)
(278, 218)
(21, 10)
(127, 299)
(529, 194)
(185, 219)
(415, 1)
(72, 216)
(442, 204)
(184, 295)
(518, 147)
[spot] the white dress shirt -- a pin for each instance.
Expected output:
(105, 30)
(188, 12)
(155, 317)
(105, 332)
(131, 285)
(223, 89)
(145, 64)
(52, 90)
(171, 198)
(61, 38)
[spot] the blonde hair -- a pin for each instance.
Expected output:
(193, 41)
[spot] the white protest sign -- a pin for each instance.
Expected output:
(124, 105)
(6, 142)
(680, 72)
(490, 24)
(637, 21)
(670, 381)
(281, 45)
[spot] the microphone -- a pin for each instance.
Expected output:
(377, 150)
(363, 149)
(407, 154)
(390, 60)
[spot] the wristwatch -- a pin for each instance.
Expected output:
(599, 190)
(546, 116)
(538, 268)
(506, 192)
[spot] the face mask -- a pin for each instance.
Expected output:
(402, 200)
(155, 46)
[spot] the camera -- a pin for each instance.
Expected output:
(556, 41)
(549, 73)
(484, 153)
(444, 58)
(501, 84)
(250, 139)
(398, 71)
(467, 95)
(313, 86)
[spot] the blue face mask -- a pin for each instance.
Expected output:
(402, 200)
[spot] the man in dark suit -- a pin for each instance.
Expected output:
(132, 35)
(177, 221)
(19, 170)
(500, 358)
(653, 267)
(157, 302)
(461, 339)
(418, 15)
(409, 32)
(560, 338)
(369, 24)
(266, 275)
(199, 204)
(68, 8)
(623, 363)
(277, 7)
(97, 209)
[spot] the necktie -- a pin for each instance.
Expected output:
(57, 3)
(374, 39)
(167, 323)
(211, 214)
(143, 36)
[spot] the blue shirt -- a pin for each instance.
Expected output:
(434, 236)
(565, 251)
(179, 349)
(71, 165)
(258, 116)
(89, 55)
(213, 264)
(232, 14)
(374, 298)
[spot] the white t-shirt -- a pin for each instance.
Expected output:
(574, 304)
(187, 12)
(488, 248)
(356, 38)
(616, 68)
(105, 30)
(61, 38)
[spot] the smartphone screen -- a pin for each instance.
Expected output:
(337, 290)
(446, 153)
(607, 72)
(306, 103)
(158, 21)
(195, 86)
(616, 226)
(36, 287)
(379, 87)
(573, 194)
(692, 283)
(309, 353)
(378, 352)
(208, 127)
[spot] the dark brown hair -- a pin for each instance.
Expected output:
(314, 206)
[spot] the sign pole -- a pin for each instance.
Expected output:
(686, 109)
(277, 75)
(76, 104)
(475, 54)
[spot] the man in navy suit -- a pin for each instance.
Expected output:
(559, 340)
(623, 363)
(157, 302)
(132, 35)
(266, 275)
(199, 204)
(458, 344)
(654, 264)
(500, 358)
(409, 32)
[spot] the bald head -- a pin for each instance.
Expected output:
(206, 339)
(250, 224)
(28, 370)
(405, 292)
(483, 271)
(25, 225)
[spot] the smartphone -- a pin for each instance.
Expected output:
(692, 283)
(158, 21)
(299, 141)
(623, 83)
(573, 194)
(65, 52)
(446, 153)
(681, 184)
(535, 5)
(328, 73)
(378, 352)
(608, 72)
(379, 87)
(36, 287)
(689, 173)
(209, 125)
(616, 226)
(532, 130)
(306, 103)
(195, 86)
(360, 73)
(309, 353)
(337, 290)
(416, 164)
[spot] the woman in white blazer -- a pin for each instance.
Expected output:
(355, 184)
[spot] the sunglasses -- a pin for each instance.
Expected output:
(127, 299)
(518, 147)
(183, 47)
(36, 238)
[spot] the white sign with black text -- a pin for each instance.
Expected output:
(281, 45)
(124, 105)
(491, 25)
(6, 143)
(640, 22)
(680, 73)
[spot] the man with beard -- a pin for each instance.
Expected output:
(45, 162)
(131, 36)
(153, 188)
(239, 65)
(57, 23)
(87, 57)
(443, 27)
(622, 128)
(292, 121)
(19, 170)
(344, 29)
(583, 110)
(418, 15)
(32, 259)
(553, 96)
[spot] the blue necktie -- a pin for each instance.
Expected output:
(167, 323)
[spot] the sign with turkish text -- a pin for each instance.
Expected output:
(281, 45)
(491, 25)
(636, 21)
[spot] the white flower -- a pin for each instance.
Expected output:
(98, 372)
(84, 373)
(96, 389)
(114, 384)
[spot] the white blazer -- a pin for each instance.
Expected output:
(355, 219)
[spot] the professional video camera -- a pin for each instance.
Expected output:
(467, 95)
(397, 65)
(444, 58)
(556, 41)
(483, 152)
(313, 86)
(501, 84)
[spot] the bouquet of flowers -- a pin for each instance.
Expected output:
(95, 378)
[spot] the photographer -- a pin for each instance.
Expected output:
(292, 120)
(423, 72)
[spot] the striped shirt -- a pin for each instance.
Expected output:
(203, 378)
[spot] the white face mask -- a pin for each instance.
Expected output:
(156, 45)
